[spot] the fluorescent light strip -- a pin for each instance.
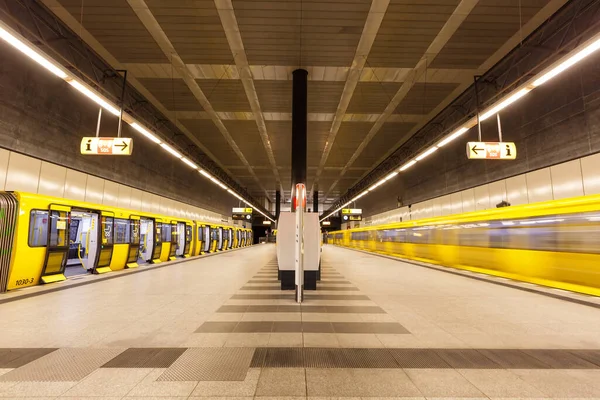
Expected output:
(408, 165)
(94, 97)
(188, 162)
(504, 103)
(13, 39)
(145, 132)
(453, 136)
(427, 153)
(568, 63)
(171, 150)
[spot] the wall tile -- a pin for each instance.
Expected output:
(75, 185)
(124, 200)
(111, 193)
(516, 190)
(567, 180)
(456, 199)
(539, 185)
(94, 190)
(4, 157)
(590, 167)
(468, 200)
(136, 199)
(23, 173)
(497, 192)
(52, 180)
(482, 197)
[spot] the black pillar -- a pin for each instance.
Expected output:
(277, 203)
(316, 199)
(299, 116)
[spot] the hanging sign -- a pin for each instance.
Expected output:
(240, 213)
(352, 211)
(111, 146)
(491, 151)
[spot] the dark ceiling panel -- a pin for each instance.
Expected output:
(114, 24)
(296, 32)
(372, 97)
(210, 136)
(316, 139)
(485, 30)
(174, 94)
(194, 28)
(225, 94)
(407, 30)
(349, 137)
(247, 137)
(280, 133)
(422, 98)
(276, 96)
(387, 137)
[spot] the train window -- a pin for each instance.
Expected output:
(134, 225)
(107, 230)
(58, 228)
(188, 233)
(38, 228)
(200, 233)
(166, 233)
(121, 231)
(158, 235)
(174, 233)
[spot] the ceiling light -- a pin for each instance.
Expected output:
(569, 62)
(450, 138)
(408, 165)
(427, 153)
(95, 97)
(390, 176)
(171, 150)
(12, 39)
(188, 162)
(145, 132)
(505, 103)
(206, 174)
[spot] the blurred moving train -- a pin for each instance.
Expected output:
(554, 243)
(46, 239)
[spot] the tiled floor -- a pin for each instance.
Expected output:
(220, 327)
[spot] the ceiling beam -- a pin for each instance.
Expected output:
(461, 12)
(66, 17)
(549, 9)
(151, 24)
(234, 38)
(367, 38)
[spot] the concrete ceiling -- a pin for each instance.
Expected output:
(378, 71)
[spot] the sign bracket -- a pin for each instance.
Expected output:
(99, 121)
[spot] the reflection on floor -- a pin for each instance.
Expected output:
(220, 327)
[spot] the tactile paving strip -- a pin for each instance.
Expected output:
(466, 358)
(62, 365)
(284, 358)
(210, 364)
(418, 358)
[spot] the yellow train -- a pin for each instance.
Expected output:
(46, 239)
(554, 243)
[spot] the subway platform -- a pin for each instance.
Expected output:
(376, 328)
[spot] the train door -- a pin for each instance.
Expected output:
(183, 240)
(57, 249)
(188, 243)
(213, 239)
(225, 239)
(83, 242)
(220, 238)
(146, 240)
(157, 249)
(174, 240)
(230, 234)
(134, 241)
(106, 242)
(206, 239)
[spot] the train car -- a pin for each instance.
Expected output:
(46, 239)
(554, 243)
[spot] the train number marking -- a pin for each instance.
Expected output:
(26, 281)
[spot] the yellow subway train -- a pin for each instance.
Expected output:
(554, 243)
(46, 239)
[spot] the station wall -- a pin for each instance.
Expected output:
(44, 117)
(553, 125)
(570, 179)
(19, 172)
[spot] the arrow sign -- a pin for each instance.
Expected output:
(476, 150)
(111, 146)
(491, 151)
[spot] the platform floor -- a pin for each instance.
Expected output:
(220, 327)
